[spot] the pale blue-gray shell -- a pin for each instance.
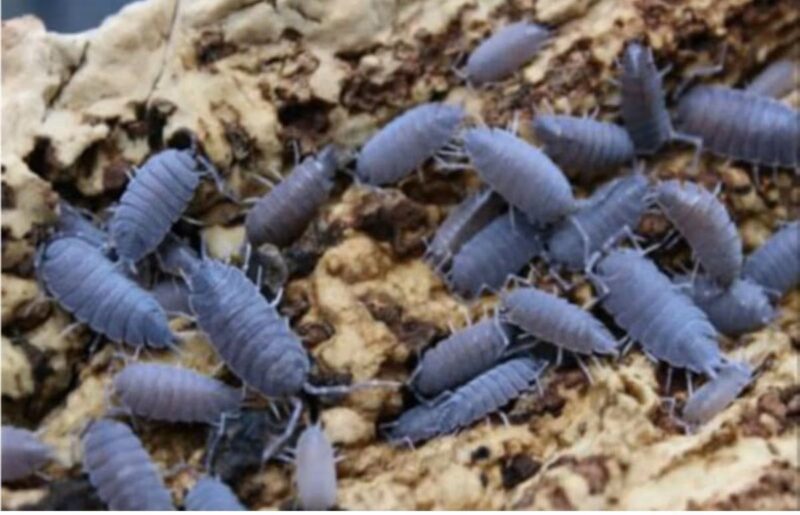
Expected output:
(740, 125)
(705, 223)
(463, 222)
(154, 200)
(552, 319)
(499, 250)
(520, 173)
(121, 470)
(617, 204)
(505, 51)
(248, 333)
(655, 313)
(92, 288)
(281, 216)
(211, 494)
(406, 142)
(173, 394)
(315, 470)
(775, 265)
(644, 109)
(72, 222)
(172, 295)
(22, 453)
(717, 394)
(776, 80)
(460, 357)
(740, 308)
(584, 147)
(483, 395)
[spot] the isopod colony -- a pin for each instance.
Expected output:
(125, 278)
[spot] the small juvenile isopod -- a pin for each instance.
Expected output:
(717, 394)
(505, 51)
(22, 453)
(499, 250)
(705, 223)
(153, 201)
(740, 125)
(315, 470)
(463, 222)
(654, 313)
(90, 287)
(739, 308)
(121, 470)
(406, 142)
(520, 173)
(460, 357)
(776, 80)
(174, 394)
(281, 216)
(775, 265)
(644, 109)
(554, 320)
(211, 494)
(585, 147)
(478, 398)
(248, 333)
(615, 206)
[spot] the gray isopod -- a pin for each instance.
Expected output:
(499, 250)
(463, 222)
(460, 357)
(740, 125)
(654, 313)
(153, 201)
(615, 206)
(90, 287)
(520, 173)
(248, 333)
(22, 453)
(211, 494)
(315, 470)
(173, 394)
(72, 222)
(717, 394)
(175, 257)
(587, 148)
(644, 109)
(406, 142)
(705, 223)
(505, 51)
(740, 308)
(121, 470)
(281, 216)
(478, 398)
(776, 80)
(554, 320)
(172, 295)
(775, 265)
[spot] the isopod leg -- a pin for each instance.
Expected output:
(696, 142)
(584, 369)
(278, 442)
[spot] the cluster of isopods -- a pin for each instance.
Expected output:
(525, 211)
